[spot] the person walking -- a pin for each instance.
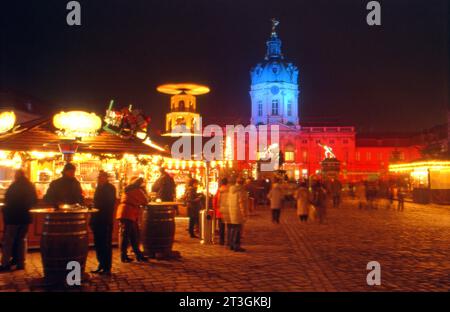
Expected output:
(303, 202)
(391, 195)
(222, 212)
(19, 199)
(360, 193)
(102, 222)
(401, 198)
(336, 190)
(320, 200)
(276, 197)
(65, 190)
(133, 197)
(238, 208)
(193, 202)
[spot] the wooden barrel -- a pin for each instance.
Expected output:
(158, 229)
(64, 239)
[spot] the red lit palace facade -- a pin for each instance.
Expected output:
(275, 100)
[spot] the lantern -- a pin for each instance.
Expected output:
(77, 124)
(7, 121)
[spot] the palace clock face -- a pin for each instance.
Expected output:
(274, 90)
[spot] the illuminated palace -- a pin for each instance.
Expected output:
(274, 94)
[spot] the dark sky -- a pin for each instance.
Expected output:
(388, 78)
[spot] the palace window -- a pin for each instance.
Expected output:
(289, 156)
(305, 155)
(289, 108)
(275, 107)
(368, 156)
(260, 108)
(358, 156)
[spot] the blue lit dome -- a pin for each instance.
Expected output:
(274, 71)
(274, 68)
(274, 87)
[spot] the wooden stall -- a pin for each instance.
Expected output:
(429, 179)
(34, 147)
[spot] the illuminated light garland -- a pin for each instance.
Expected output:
(7, 121)
(10, 160)
(76, 124)
(420, 166)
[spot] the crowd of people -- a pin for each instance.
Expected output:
(231, 204)
(374, 194)
(21, 197)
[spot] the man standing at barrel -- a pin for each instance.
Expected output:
(164, 186)
(65, 190)
(102, 222)
(19, 199)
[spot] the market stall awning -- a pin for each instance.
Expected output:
(40, 135)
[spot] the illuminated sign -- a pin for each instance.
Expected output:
(77, 124)
(7, 121)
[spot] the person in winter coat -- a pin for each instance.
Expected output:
(102, 222)
(238, 208)
(336, 190)
(303, 202)
(193, 203)
(164, 186)
(19, 199)
(360, 193)
(320, 200)
(220, 204)
(401, 193)
(276, 197)
(65, 190)
(128, 211)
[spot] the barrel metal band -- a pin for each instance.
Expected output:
(65, 233)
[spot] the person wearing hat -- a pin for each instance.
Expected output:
(65, 190)
(132, 199)
(102, 222)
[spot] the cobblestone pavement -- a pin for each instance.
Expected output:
(411, 246)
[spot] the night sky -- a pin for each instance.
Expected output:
(388, 78)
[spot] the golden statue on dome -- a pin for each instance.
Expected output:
(275, 23)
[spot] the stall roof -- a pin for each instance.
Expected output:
(40, 135)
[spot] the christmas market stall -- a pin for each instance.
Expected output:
(428, 180)
(42, 147)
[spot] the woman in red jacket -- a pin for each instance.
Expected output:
(128, 211)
